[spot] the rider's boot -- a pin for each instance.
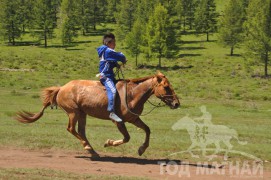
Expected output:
(114, 117)
(112, 114)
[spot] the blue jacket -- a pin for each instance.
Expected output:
(108, 60)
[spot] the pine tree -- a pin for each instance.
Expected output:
(111, 10)
(45, 18)
(159, 35)
(93, 13)
(10, 20)
(25, 13)
(86, 8)
(56, 9)
(185, 10)
(179, 11)
(231, 28)
(258, 27)
(245, 3)
(84, 17)
(191, 13)
(134, 39)
(205, 17)
(144, 8)
(68, 20)
(125, 17)
(96, 12)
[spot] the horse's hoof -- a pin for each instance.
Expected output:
(95, 156)
(141, 150)
(91, 151)
(87, 147)
(108, 143)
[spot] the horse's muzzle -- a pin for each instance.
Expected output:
(175, 105)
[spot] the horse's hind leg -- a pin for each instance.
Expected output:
(82, 134)
(79, 117)
(139, 123)
(122, 128)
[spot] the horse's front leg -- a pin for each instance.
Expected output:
(122, 128)
(139, 123)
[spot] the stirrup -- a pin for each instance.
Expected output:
(114, 117)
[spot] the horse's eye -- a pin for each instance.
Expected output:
(167, 88)
(166, 85)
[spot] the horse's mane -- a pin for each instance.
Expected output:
(140, 80)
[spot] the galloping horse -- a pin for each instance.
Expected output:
(80, 98)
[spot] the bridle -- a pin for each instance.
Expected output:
(167, 95)
(119, 70)
(154, 105)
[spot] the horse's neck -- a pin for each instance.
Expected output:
(141, 93)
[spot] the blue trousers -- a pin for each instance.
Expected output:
(111, 92)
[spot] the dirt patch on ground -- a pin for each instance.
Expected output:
(112, 165)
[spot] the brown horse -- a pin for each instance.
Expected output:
(80, 98)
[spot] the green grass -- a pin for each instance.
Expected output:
(249, 119)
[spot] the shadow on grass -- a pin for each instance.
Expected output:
(261, 76)
(38, 44)
(25, 43)
(141, 161)
(74, 49)
(165, 68)
(188, 55)
(189, 32)
(99, 32)
(82, 42)
(57, 46)
(68, 47)
(191, 42)
(192, 48)
(234, 55)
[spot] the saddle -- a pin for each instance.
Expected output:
(100, 85)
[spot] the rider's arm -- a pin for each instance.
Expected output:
(111, 55)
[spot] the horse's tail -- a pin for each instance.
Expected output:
(48, 98)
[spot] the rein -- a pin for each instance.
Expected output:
(118, 71)
(127, 107)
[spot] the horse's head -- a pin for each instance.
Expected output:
(164, 91)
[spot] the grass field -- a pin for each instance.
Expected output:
(249, 119)
(202, 74)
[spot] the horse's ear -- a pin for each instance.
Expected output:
(160, 74)
(159, 78)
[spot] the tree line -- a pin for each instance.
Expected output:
(147, 27)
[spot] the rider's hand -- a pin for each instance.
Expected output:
(118, 65)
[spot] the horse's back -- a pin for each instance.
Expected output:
(91, 83)
(75, 91)
(83, 83)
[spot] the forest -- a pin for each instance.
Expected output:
(148, 28)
